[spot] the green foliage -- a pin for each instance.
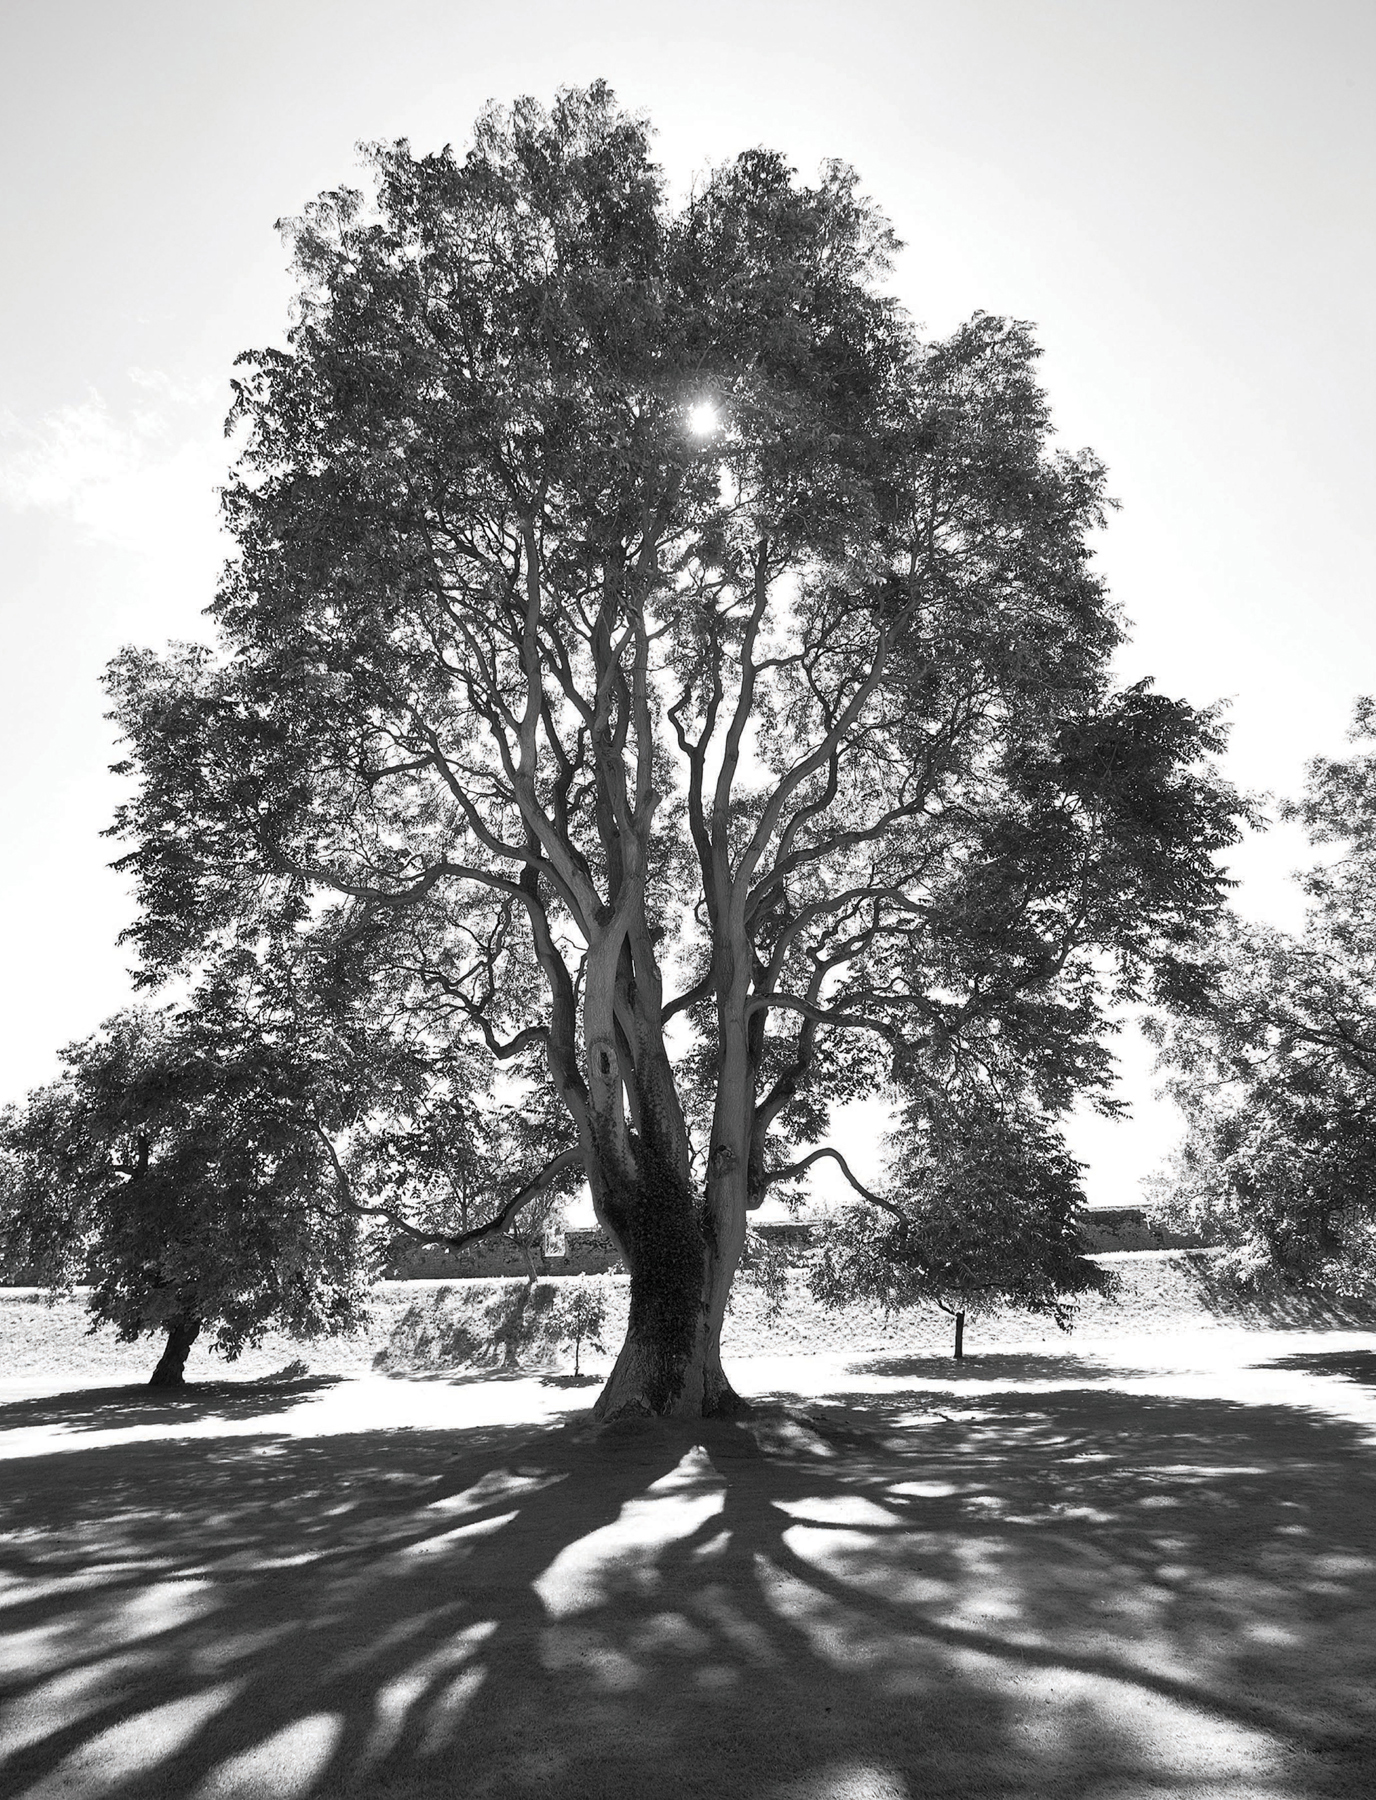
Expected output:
(1276, 1070)
(982, 1210)
(577, 1318)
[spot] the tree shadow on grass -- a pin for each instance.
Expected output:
(115, 1408)
(1011, 1366)
(462, 1378)
(1081, 1592)
(1350, 1365)
(1272, 1303)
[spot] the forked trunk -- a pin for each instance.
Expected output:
(181, 1335)
(680, 1246)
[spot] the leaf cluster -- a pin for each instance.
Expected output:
(982, 1209)
(1275, 1067)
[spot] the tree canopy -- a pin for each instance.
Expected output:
(236, 1162)
(692, 684)
(1276, 1075)
(175, 1170)
(982, 1206)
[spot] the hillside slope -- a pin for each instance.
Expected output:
(421, 1325)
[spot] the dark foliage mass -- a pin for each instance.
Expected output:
(688, 690)
(173, 1168)
(984, 1212)
(1276, 1074)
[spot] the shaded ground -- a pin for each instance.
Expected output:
(110, 1409)
(1131, 1570)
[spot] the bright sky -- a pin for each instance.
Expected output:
(1178, 192)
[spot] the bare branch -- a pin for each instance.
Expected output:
(450, 1240)
(794, 1170)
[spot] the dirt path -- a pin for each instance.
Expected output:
(1104, 1570)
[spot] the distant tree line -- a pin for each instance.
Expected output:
(1275, 1071)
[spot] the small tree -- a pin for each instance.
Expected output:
(180, 1173)
(1276, 1071)
(577, 1317)
(764, 1266)
(980, 1211)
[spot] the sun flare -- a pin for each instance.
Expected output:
(703, 419)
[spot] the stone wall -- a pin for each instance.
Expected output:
(575, 1252)
(489, 1258)
(587, 1252)
(1113, 1228)
(582, 1251)
(590, 1251)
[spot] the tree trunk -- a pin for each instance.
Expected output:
(960, 1336)
(683, 1253)
(181, 1335)
(670, 1364)
(681, 1273)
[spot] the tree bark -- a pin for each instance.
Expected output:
(670, 1367)
(181, 1335)
(960, 1336)
(683, 1251)
(681, 1270)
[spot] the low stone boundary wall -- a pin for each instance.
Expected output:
(1110, 1228)
(579, 1252)
(591, 1252)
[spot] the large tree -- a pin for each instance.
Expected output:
(698, 680)
(234, 1163)
(1276, 1073)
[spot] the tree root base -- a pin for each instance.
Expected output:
(612, 1408)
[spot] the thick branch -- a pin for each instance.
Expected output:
(821, 754)
(451, 1240)
(793, 1170)
(690, 997)
(745, 700)
(821, 1015)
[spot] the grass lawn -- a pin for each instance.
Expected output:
(1111, 1569)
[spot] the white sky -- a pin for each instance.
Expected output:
(1180, 195)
